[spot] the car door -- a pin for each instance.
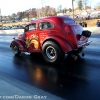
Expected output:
(45, 29)
(31, 37)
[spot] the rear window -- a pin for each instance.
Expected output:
(69, 21)
(78, 29)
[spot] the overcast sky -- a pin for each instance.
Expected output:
(13, 6)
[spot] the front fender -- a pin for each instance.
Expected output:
(21, 45)
(63, 43)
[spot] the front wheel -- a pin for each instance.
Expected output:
(15, 48)
(51, 52)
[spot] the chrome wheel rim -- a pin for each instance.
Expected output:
(51, 52)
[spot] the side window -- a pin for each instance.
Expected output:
(30, 27)
(45, 25)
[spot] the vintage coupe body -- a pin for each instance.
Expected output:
(52, 36)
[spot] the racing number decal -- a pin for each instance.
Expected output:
(33, 39)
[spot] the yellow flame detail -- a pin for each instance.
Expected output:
(29, 41)
(35, 42)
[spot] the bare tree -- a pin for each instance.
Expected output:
(53, 12)
(85, 2)
(80, 6)
(97, 6)
(59, 8)
(46, 11)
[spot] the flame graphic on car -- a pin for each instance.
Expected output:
(33, 39)
(35, 42)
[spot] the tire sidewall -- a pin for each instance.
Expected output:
(15, 52)
(57, 49)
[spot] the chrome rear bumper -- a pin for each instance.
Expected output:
(84, 44)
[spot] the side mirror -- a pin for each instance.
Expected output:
(26, 29)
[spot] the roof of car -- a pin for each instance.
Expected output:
(53, 18)
(62, 17)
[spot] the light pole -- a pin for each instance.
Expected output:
(73, 8)
(0, 16)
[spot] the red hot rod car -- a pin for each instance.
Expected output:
(53, 37)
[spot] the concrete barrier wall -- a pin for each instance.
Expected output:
(15, 31)
(18, 31)
(93, 29)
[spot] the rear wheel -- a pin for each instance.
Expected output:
(15, 48)
(51, 52)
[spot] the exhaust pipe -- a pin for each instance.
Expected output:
(83, 54)
(75, 57)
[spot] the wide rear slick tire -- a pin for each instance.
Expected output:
(15, 48)
(51, 52)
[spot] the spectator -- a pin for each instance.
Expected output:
(80, 23)
(85, 24)
(98, 23)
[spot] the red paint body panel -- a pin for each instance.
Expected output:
(21, 45)
(64, 44)
(63, 30)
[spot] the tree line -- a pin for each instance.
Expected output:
(49, 11)
(37, 13)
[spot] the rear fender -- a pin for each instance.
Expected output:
(21, 45)
(63, 43)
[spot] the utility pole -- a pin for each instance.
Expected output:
(0, 16)
(73, 8)
(0, 19)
